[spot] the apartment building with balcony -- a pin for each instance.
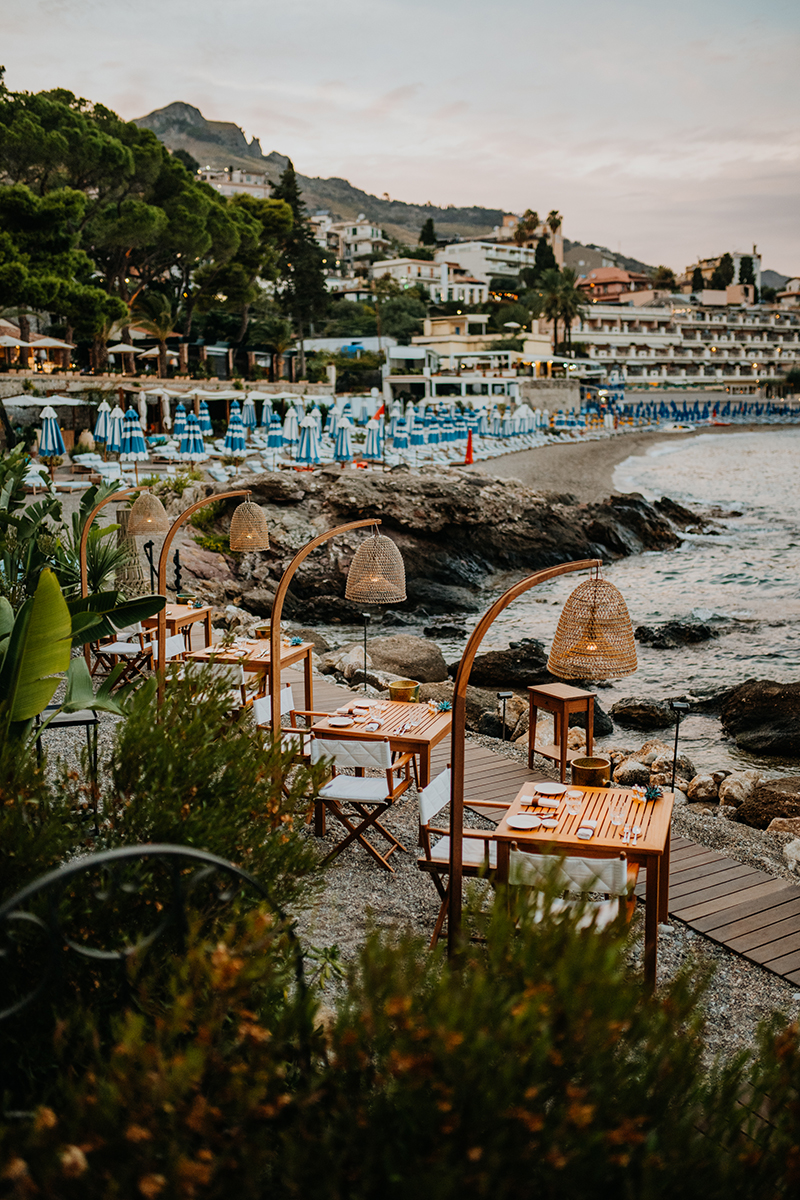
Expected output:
(612, 285)
(441, 280)
(485, 260)
(709, 265)
(685, 345)
(235, 182)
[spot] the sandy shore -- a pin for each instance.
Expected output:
(586, 469)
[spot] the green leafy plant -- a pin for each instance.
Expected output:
(103, 558)
(206, 517)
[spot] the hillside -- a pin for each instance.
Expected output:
(222, 144)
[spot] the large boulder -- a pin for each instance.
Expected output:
(739, 786)
(412, 657)
(521, 665)
(784, 825)
(764, 717)
(673, 634)
(602, 724)
(637, 713)
(631, 772)
(773, 798)
(703, 787)
(478, 700)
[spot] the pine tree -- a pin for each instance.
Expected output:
(698, 283)
(544, 259)
(723, 273)
(303, 295)
(746, 270)
(427, 235)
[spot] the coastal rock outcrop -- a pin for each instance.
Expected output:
(673, 634)
(739, 786)
(773, 798)
(764, 717)
(522, 664)
(702, 787)
(637, 713)
(400, 654)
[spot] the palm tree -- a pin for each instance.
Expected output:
(554, 222)
(526, 227)
(154, 313)
(573, 302)
(550, 292)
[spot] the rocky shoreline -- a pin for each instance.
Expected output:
(459, 532)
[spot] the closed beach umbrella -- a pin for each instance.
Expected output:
(343, 451)
(373, 447)
(291, 428)
(417, 436)
(497, 423)
(275, 435)
(316, 413)
(142, 405)
(101, 424)
(132, 443)
(114, 443)
(266, 414)
(51, 443)
(332, 421)
(192, 448)
(236, 409)
(308, 447)
(180, 421)
(204, 420)
(249, 419)
(400, 434)
(235, 439)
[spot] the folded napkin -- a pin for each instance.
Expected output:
(371, 726)
(585, 833)
(544, 802)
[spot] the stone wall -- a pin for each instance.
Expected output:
(550, 393)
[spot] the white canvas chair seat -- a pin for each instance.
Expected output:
(130, 646)
(478, 849)
(174, 647)
(365, 799)
(613, 876)
(472, 852)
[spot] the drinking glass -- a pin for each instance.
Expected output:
(616, 811)
(573, 802)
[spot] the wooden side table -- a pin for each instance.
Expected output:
(559, 699)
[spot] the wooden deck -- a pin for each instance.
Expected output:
(739, 907)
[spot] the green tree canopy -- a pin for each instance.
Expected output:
(698, 283)
(302, 291)
(746, 273)
(723, 273)
(427, 235)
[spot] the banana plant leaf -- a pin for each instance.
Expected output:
(80, 693)
(112, 613)
(37, 654)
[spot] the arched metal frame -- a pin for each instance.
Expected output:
(277, 610)
(54, 884)
(458, 745)
(162, 576)
(122, 494)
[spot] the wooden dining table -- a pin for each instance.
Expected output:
(651, 850)
(181, 618)
(254, 656)
(410, 728)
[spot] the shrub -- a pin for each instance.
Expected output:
(539, 1068)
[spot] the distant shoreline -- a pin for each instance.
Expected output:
(586, 469)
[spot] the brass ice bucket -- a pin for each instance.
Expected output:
(591, 772)
(405, 689)
(262, 631)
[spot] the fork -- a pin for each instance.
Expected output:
(626, 835)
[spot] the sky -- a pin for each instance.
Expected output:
(665, 130)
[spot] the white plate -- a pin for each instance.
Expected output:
(549, 822)
(551, 789)
(340, 722)
(521, 821)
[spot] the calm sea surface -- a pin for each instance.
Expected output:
(746, 581)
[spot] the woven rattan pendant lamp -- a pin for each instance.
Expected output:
(377, 574)
(148, 516)
(249, 527)
(594, 638)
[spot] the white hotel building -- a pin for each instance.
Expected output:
(683, 344)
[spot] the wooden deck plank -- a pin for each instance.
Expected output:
(707, 874)
(692, 911)
(764, 927)
(750, 906)
(733, 878)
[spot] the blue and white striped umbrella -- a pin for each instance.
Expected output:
(483, 424)
(236, 410)
(192, 448)
(180, 421)
(204, 420)
(506, 428)
(114, 443)
(235, 439)
(101, 424)
(401, 434)
(343, 451)
(132, 444)
(417, 436)
(308, 448)
(249, 419)
(266, 414)
(275, 435)
(434, 434)
(332, 421)
(373, 447)
(291, 428)
(51, 443)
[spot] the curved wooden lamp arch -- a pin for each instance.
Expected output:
(457, 744)
(162, 574)
(277, 610)
(122, 494)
